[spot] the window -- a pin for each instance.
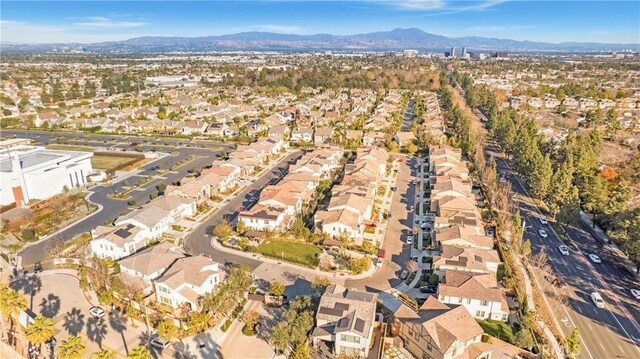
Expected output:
(164, 289)
(459, 300)
(266, 221)
(350, 338)
(468, 300)
(480, 313)
(483, 302)
(416, 335)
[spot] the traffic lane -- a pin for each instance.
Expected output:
(581, 310)
(199, 240)
(618, 318)
(617, 294)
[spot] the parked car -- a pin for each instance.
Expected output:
(37, 267)
(412, 208)
(564, 250)
(635, 293)
(543, 233)
(595, 259)
(428, 289)
(160, 343)
(97, 312)
(404, 274)
(409, 239)
(543, 221)
(597, 299)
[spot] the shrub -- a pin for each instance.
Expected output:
(28, 234)
(226, 325)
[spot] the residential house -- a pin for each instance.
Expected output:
(477, 292)
(463, 236)
(322, 135)
(302, 135)
(265, 218)
(115, 242)
(148, 264)
(187, 280)
(345, 321)
(466, 259)
(440, 331)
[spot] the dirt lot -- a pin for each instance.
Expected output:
(110, 163)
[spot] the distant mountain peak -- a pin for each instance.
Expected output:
(396, 39)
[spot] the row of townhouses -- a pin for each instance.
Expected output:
(352, 202)
(279, 204)
(467, 263)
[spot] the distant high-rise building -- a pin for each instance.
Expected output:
(453, 52)
(464, 52)
(410, 53)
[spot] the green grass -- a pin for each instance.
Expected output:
(301, 253)
(110, 162)
(71, 148)
(497, 329)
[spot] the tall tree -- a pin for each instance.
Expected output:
(561, 187)
(140, 352)
(40, 330)
(104, 354)
(72, 348)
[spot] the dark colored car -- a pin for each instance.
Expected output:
(428, 289)
(37, 267)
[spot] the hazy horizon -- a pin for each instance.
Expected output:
(24, 22)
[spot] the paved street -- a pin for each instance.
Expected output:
(199, 241)
(397, 252)
(112, 208)
(57, 295)
(608, 332)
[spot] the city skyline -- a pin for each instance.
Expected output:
(549, 21)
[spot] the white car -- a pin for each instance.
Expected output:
(409, 239)
(635, 293)
(542, 233)
(97, 312)
(543, 221)
(597, 299)
(594, 258)
(564, 250)
(159, 343)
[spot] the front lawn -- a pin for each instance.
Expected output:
(497, 329)
(301, 253)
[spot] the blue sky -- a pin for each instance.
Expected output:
(539, 20)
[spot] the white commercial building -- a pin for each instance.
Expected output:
(33, 172)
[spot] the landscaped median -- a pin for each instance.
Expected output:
(300, 253)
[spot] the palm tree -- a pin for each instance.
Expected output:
(104, 354)
(40, 330)
(11, 302)
(72, 348)
(140, 353)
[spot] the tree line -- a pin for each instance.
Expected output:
(563, 175)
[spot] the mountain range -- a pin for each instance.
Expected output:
(397, 39)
